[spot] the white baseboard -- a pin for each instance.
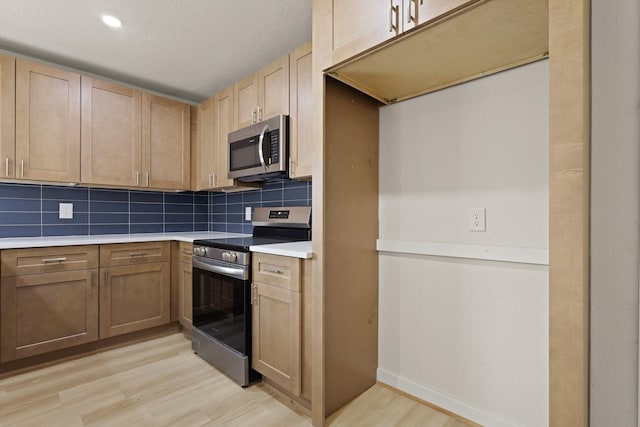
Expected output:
(438, 399)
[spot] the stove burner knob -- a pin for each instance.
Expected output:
(229, 256)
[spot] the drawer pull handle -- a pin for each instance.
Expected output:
(187, 253)
(136, 254)
(52, 260)
(273, 270)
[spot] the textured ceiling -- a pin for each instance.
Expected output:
(190, 49)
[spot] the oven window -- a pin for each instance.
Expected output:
(221, 308)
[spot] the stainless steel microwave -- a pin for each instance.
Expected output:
(259, 152)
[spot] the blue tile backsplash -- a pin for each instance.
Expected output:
(227, 209)
(31, 210)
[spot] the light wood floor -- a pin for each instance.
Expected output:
(162, 383)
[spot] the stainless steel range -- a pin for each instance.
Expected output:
(222, 289)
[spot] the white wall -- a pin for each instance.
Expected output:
(469, 335)
(615, 212)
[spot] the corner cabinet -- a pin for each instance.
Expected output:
(135, 287)
(7, 115)
(281, 349)
(49, 300)
(47, 123)
(111, 134)
(166, 145)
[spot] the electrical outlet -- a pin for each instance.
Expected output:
(65, 211)
(477, 219)
(247, 213)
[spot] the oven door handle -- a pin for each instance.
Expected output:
(238, 273)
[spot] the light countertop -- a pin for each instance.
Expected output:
(293, 249)
(102, 239)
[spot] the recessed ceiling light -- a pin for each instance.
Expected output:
(111, 21)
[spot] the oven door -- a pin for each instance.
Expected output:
(222, 303)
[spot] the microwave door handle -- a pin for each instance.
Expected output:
(260, 143)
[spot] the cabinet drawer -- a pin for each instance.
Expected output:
(186, 251)
(133, 253)
(277, 270)
(18, 262)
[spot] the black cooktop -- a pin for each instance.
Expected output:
(242, 243)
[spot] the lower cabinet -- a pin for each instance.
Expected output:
(54, 306)
(135, 292)
(279, 349)
(185, 289)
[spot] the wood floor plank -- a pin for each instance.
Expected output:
(161, 382)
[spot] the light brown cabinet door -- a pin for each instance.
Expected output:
(47, 123)
(224, 124)
(134, 297)
(185, 296)
(276, 335)
(166, 145)
(273, 89)
(47, 312)
(205, 160)
(358, 25)
(7, 115)
(111, 137)
(245, 102)
(300, 119)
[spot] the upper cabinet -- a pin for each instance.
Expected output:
(455, 41)
(111, 134)
(223, 125)
(133, 139)
(358, 25)
(166, 145)
(205, 159)
(262, 95)
(7, 115)
(215, 117)
(300, 119)
(47, 123)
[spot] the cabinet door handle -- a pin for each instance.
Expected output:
(21, 168)
(273, 271)
(52, 260)
(215, 180)
(260, 114)
(253, 115)
(106, 277)
(413, 17)
(392, 9)
(93, 279)
(137, 178)
(6, 167)
(147, 179)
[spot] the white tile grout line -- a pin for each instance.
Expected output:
(41, 219)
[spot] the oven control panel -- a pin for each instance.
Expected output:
(225, 255)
